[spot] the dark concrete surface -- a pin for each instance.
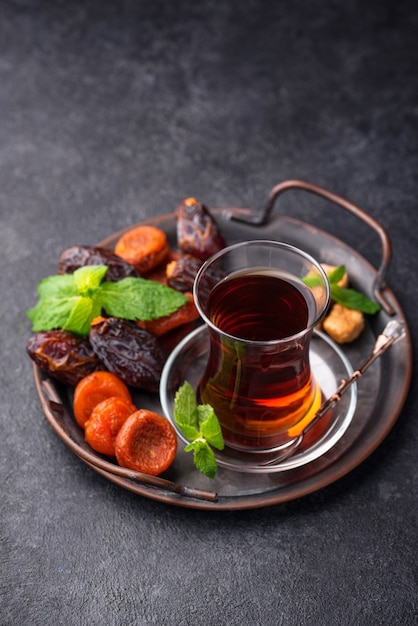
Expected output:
(111, 112)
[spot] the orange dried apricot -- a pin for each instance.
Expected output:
(146, 442)
(104, 423)
(93, 389)
(144, 247)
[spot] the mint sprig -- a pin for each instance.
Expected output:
(349, 298)
(72, 301)
(353, 299)
(199, 424)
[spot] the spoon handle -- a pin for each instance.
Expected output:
(393, 332)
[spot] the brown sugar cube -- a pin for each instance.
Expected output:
(342, 324)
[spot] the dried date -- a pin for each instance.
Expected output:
(182, 272)
(63, 356)
(79, 256)
(197, 231)
(133, 354)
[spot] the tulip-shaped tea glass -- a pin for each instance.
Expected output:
(261, 301)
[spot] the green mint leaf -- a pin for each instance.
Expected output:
(312, 280)
(85, 309)
(200, 426)
(139, 298)
(349, 298)
(336, 275)
(203, 457)
(190, 432)
(88, 278)
(352, 299)
(209, 426)
(185, 408)
(52, 313)
(62, 304)
(71, 301)
(60, 286)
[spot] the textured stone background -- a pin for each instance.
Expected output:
(115, 111)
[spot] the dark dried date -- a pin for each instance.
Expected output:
(63, 356)
(79, 256)
(133, 354)
(182, 272)
(197, 231)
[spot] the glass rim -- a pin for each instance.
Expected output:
(276, 244)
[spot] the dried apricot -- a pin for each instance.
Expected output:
(104, 423)
(146, 442)
(93, 389)
(144, 247)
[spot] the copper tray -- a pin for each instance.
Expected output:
(381, 393)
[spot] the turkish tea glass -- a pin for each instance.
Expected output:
(261, 301)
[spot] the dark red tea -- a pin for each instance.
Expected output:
(261, 388)
(258, 307)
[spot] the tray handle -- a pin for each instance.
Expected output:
(262, 217)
